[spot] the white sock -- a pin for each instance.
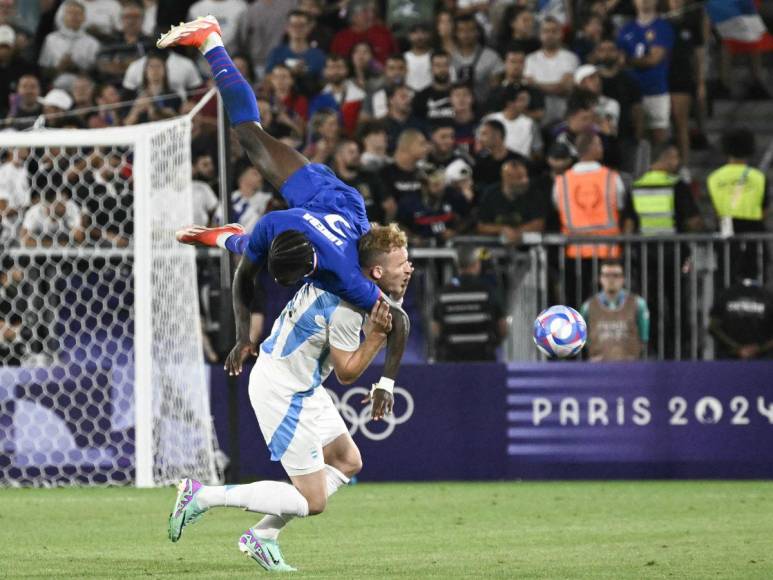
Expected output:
(269, 527)
(211, 42)
(220, 241)
(266, 497)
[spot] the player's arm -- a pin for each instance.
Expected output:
(275, 160)
(381, 394)
(243, 292)
(348, 366)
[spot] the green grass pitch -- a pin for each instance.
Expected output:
(427, 530)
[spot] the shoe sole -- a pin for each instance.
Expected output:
(178, 33)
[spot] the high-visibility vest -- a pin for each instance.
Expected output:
(587, 205)
(653, 200)
(737, 191)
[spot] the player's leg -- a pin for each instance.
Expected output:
(231, 237)
(274, 159)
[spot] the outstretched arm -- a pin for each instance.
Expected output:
(275, 160)
(243, 290)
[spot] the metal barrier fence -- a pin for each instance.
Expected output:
(679, 276)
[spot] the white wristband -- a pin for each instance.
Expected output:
(384, 383)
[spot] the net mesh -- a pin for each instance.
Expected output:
(94, 289)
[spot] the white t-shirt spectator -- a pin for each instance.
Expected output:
(419, 70)
(549, 70)
(39, 222)
(15, 193)
(181, 72)
(81, 47)
(522, 135)
(105, 15)
(205, 203)
(484, 62)
(227, 12)
(248, 210)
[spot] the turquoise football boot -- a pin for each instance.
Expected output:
(186, 509)
(264, 552)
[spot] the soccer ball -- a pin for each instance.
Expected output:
(560, 332)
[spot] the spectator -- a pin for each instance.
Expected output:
(435, 212)
(511, 207)
(647, 43)
(228, 14)
(291, 107)
(296, 53)
(589, 35)
(515, 61)
(474, 63)
(492, 153)
(399, 117)
(373, 136)
(364, 27)
(83, 95)
(468, 320)
(519, 35)
(418, 58)
(403, 176)
(55, 104)
(340, 93)
(155, 100)
(119, 51)
(321, 35)
(54, 220)
(464, 119)
(14, 195)
(559, 159)
(551, 70)
(375, 104)
(591, 202)
(12, 66)
(522, 135)
(205, 201)
(366, 72)
(579, 120)
(250, 198)
(69, 50)
(444, 150)
(107, 113)
(687, 70)
(742, 321)
(607, 110)
(434, 102)
(324, 134)
(618, 320)
(261, 28)
(181, 72)
(102, 18)
(444, 32)
(347, 166)
(25, 103)
(203, 166)
(403, 15)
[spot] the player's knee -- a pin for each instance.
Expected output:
(317, 505)
(351, 464)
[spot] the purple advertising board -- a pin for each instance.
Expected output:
(544, 421)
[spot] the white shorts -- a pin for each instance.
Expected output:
(296, 425)
(657, 111)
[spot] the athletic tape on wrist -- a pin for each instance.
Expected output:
(384, 383)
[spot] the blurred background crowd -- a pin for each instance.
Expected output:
(455, 118)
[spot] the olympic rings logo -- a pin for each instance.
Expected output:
(358, 419)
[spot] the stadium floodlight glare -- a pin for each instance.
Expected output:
(102, 378)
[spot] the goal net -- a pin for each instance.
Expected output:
(102, 379)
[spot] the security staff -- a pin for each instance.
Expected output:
(469, 322)
(738, 191)
(590, 199)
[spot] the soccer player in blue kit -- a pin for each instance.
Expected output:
(349, 267)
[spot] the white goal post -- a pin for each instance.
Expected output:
(102, 377)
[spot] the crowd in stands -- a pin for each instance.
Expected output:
(452, 117)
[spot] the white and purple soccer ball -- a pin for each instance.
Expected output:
(560, 332)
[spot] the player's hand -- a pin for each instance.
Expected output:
(748, 351)
(380, 319)
(235, 361)
(382, 400)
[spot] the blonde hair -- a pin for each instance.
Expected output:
(380, 240)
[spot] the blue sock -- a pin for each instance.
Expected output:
(238, 98)
(237, 243)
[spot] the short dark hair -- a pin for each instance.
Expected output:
(660, 149)
(739, 143)
(333, 57)
(390, 91)
(461, 85)
(297, 12)
(396, 56)
(465, 18)
(370, 127)
(497, 126)
(584, 141)
(580, 100)
(612, 263)
(442, 124)
(439, 53)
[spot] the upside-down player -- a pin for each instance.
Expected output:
(316, 238)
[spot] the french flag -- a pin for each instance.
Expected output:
(739, 24)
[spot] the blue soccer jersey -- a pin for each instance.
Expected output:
(636, 41)
(332, 215)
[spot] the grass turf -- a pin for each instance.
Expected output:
(429, 530)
